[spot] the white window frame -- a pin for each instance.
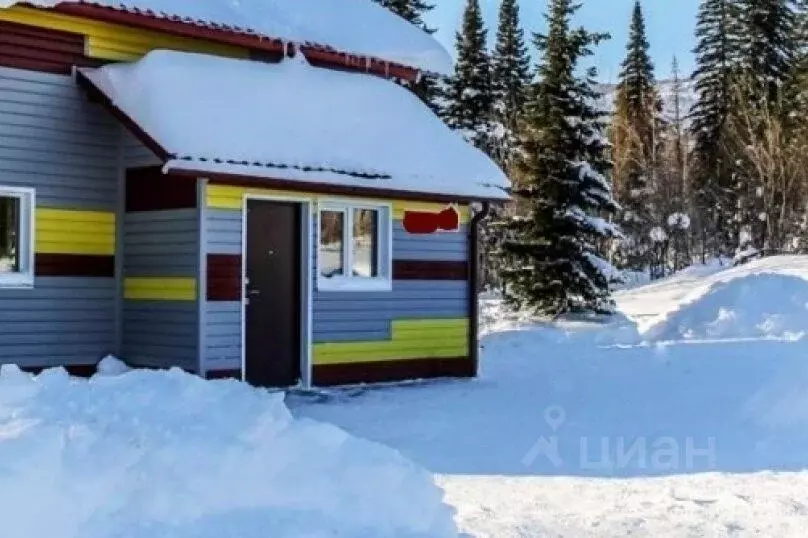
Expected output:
(384, 254)
(24, 278)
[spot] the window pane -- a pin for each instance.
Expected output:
(365, 242)
(332, 229)
(9, 234)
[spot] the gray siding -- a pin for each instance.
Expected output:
(135, 154)
(346, 316)
(341, 316)
(222, 325)
(451, 246)
(360, 316)
(161, 243)
(223, 231)
(62, 320)
(54, 140)
(222, 336)
(161, 333)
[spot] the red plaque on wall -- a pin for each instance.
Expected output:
(428, 222)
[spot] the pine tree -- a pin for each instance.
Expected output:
(511, 76)
(637, 141)
(717, 59)
(468, 92)
(412, 11)
(552, 254)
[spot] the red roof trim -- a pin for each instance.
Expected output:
(95, 94)
(316, 53)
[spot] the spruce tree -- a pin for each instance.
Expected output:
(639, 105)
(510, 84)
(552, 255)
(511, 76)
(412, 11)
(768, 43)
(717, 55)
(468, 92)
(637, 71)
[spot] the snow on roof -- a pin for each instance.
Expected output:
(359, 27)
(297, 122)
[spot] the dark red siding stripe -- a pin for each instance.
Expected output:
(224, 374)
(39, 49)
(429, 270)
(224, 274)
(396, 370)
(148, 189)
(224, 277)
(74, 265)
(75, 370)
(377, 372)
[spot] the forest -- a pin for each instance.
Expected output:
(634, 189)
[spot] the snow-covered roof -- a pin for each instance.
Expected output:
(359, 27)
(296, 122)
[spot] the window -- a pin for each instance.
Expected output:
(354, 248)
(16, 237)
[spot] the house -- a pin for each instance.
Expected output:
(235, 191)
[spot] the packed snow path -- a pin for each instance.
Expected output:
(579, 431)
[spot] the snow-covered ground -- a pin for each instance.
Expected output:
(169, 455)
(687, 416)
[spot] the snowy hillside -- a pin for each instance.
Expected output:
(688, 97)
(650, 425)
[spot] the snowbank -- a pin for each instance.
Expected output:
(753, 306)
(763, 299)
(354, 26)
(149, 454)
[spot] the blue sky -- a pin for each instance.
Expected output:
(670, 28)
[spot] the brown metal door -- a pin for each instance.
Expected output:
(273, 311)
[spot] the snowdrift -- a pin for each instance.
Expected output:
(765, 299)
(166, 454)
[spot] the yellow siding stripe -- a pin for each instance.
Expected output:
(116, 42)
(229, 197)
(160, 289)
(61, 231)
(412, 339)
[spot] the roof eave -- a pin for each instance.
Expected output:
(314, 187)
(318, 54)
(97, 95)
